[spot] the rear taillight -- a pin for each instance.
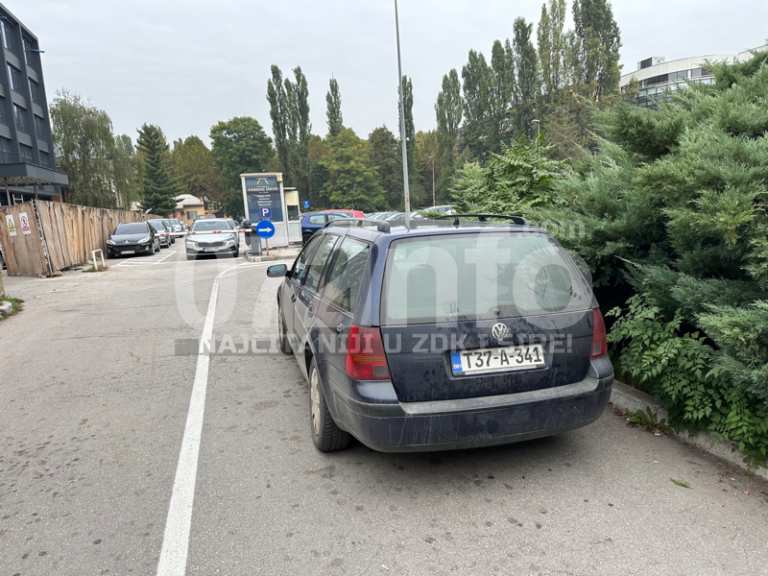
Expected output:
(599, 344)
(365, 354)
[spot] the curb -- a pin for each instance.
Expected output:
(630, 399)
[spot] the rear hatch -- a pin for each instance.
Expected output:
(481, 314)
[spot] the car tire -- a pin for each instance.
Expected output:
(236, 253)
(285, 343)
(306, 237)
(326, 435)
(155, 249)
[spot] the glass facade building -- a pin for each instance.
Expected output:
(658, 79)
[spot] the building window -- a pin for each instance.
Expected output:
(5, 151)
(21, 118)
(7, 31)
(15, 77)
(26, 154)
(29, 56)
(45, 159)
(40, 130)
(34, 90)
(3, 117)
(191, 215)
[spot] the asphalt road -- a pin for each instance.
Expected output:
(94, 418)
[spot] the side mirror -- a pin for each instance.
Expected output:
(277, 271)
(246, 223)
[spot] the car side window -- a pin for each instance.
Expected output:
(317, 219)
(319, 260)
(332, 217)
(347, 274)
(299, 270)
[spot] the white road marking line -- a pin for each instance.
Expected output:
(173, 556)
(167, 256)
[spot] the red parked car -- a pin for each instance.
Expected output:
(349, 213)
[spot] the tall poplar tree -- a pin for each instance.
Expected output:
(597, 44)
(410, 128)
(526, 66)
(502, 86)
(477, 92)
(449, 109)
(333, 111)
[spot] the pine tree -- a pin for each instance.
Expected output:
(159, 189)
(333, 112)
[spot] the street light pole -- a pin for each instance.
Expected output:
(434, 202)
(402, 126)
(538, 130)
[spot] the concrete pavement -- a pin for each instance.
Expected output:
(95, 404)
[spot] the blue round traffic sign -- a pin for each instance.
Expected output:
(265, 229)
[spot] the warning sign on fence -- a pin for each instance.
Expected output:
(10, 224)
(24, 223)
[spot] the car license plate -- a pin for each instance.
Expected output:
(128, 252)
(498, 359)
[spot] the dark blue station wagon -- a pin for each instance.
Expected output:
(455, 333)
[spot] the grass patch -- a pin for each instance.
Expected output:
(16, 302)
(100, 268)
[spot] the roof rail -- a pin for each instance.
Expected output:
(359, 223)
(483, 218)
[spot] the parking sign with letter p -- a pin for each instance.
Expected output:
(266, 213)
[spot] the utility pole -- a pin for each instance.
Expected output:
(434, 202)
(402, 126)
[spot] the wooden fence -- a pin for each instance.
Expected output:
(70, 233)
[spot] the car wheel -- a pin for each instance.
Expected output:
(307, 237)
(325, 434)
(285, 344)
(236, 253)
(155, 249)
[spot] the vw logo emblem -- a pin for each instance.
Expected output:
(499, 332)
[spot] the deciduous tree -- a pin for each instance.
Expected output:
(333, 110)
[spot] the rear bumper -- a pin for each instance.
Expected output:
(474, 422)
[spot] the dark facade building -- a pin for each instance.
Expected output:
(27, 160)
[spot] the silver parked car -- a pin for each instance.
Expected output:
(212, 237)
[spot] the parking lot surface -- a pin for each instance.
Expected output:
(95, 403)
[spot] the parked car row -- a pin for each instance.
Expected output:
(132, 238)
(314, 221)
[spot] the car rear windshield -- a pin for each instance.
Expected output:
(210, 225)
(464, 277)
(131, 228)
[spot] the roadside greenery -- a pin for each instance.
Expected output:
(15, 302)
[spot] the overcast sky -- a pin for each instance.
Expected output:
(186, 64)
